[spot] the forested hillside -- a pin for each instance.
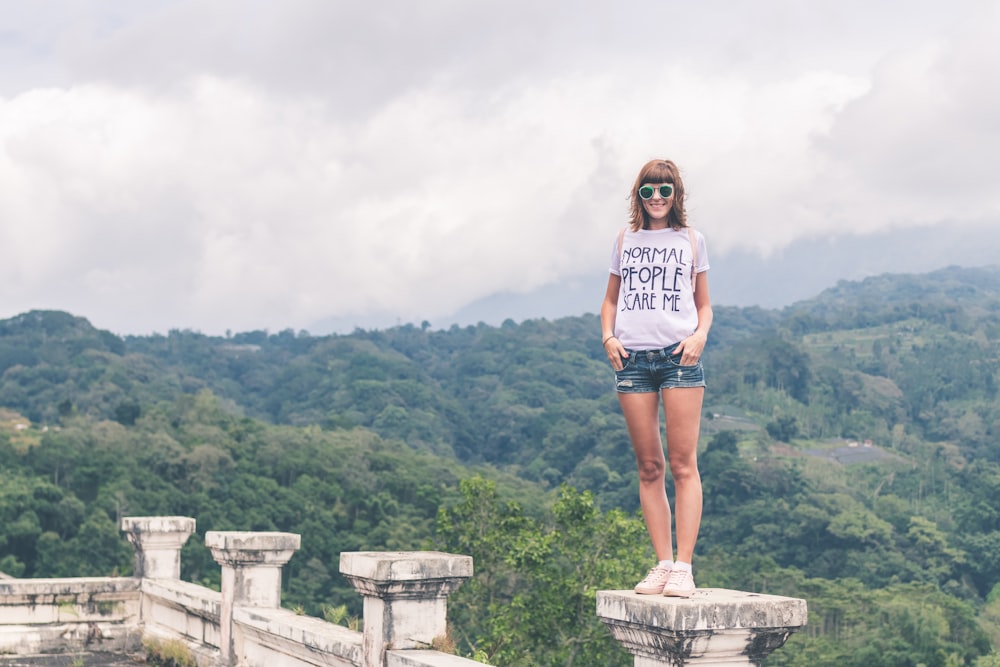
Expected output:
(849, 457)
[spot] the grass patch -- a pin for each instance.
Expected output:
(168, 653)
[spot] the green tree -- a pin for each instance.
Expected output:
(534, 594)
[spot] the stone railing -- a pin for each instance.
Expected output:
(405, 605)
(405, 610)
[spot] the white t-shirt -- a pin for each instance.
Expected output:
(656, 304)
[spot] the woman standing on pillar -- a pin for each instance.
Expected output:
(655, 320)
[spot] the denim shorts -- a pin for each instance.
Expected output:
(652, 370)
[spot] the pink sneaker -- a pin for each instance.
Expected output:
(654, 582)
(679, 585)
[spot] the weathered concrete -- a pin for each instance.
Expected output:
(75, 659)
(715, 626)
(425, 659)
(281, 638)
(406, 597)
(44, 615)
(251, 575)
(179, 611)
(157, 541)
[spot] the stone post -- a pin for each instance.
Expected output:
(251, 575)
(157, 541)
(715, 627)
(406, 597)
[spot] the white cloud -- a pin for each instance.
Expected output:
(918, 148)
(276, 182)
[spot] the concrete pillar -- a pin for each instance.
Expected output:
(251, 575)
(157, 541)
(714, 627)
(406, 597)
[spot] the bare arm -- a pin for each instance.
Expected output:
(609, 309)
(692, 346)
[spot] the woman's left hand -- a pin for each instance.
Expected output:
(691, 348)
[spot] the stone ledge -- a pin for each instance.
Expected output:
(158, 524)
(714, 626)
(399, 566)
(304, 638)
(70, 601)
(417, 575)
(185, 596)
(707, 609)
(10, 588)
(108, 636)
(75, 659)
(420, 658)
(243, 541)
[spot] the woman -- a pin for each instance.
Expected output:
(655, 320)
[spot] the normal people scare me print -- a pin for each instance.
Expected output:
(652, 278)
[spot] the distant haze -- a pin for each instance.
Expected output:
(801, 271)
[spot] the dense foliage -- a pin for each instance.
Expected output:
(506, 443)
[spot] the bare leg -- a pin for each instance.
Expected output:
(642, 416)
(682, 406)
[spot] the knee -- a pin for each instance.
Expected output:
(652, 470)
(683, 470)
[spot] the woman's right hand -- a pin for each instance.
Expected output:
(616, 353)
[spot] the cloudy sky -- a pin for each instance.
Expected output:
(319, 164)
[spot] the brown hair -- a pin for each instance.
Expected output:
(656, 172)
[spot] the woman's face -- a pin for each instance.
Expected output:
(656, 205)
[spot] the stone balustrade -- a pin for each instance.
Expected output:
(405, 610)
(244, 624)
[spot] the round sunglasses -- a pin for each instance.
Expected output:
(666, 190)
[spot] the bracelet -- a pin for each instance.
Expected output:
(605, 341)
